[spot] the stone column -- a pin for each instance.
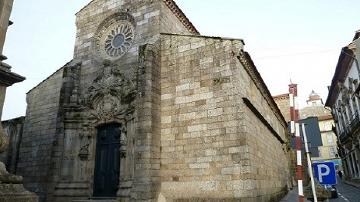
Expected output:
(11, 187)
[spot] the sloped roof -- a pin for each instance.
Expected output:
(314, 111)
(204, 36)
(254, 74)
(49, 76)
(342, 67)
(281, 97)
(357, 35)
(181, 16)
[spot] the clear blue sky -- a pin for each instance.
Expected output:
(297, 40)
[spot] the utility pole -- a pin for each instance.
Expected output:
(309, 163)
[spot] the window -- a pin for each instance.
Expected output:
(330, 139)
(332, 152)
(354, 105)
(327, 126)
(346, 115)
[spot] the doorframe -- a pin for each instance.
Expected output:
(94, 132)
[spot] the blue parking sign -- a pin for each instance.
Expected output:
(325, 172)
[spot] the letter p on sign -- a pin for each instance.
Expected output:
(325, 172)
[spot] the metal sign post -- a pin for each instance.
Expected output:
(309, 163)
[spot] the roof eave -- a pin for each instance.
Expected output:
(342, 67)
(255, 75)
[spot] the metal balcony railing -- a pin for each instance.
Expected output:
(351, 127)
(343, 135)
(355, 122)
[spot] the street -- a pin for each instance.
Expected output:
(347, 193)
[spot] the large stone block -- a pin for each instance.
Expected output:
(16, 193)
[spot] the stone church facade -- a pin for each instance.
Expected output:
(150, 110)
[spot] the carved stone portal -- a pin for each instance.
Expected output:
(111, 94)
(109, 100)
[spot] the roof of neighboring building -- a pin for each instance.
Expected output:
(342, 68)
(314, 111)
(325, 117)
(175, 9)
(314, 96)
(20, 118)
(8, 78)
(281, 97)
(357, 35)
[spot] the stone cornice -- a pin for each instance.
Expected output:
(8, 78)
(262, 119)
(250, 68)
(181, 16)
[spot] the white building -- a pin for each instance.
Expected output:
(344, 100)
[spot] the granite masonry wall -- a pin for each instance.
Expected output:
(13, 129)
(40, 129)
(213, 145)
(39, 133)
(283, 102)
(140, 65)
(151, 18)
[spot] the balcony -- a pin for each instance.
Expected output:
(353, 126)
(355, 122)
(343, 135)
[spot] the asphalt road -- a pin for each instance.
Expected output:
(347, 193)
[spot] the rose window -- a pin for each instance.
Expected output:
(114, 38)
(119, 40)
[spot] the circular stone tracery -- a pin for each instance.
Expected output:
(114, 39)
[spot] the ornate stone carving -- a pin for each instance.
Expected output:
(85, 141)
(111, 94)
(84, 152)
(123, 141)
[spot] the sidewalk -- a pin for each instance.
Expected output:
(292, 196)
(352, 183)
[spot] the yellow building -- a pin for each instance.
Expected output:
(315, 108)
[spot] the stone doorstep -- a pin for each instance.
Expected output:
(96, 200)
(99, 199)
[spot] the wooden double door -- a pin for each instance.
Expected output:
(107, 161)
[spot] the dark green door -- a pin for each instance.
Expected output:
(107, 161)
